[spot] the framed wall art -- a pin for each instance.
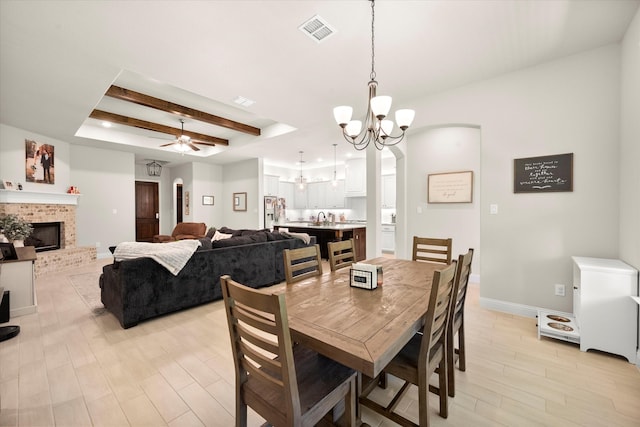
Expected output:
(450, 187)
(39, 162)
(239, 201)
(543, 174)
(207, 200)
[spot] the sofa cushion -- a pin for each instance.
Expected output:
(210, 232)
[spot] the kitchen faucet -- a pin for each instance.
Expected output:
(324, 217)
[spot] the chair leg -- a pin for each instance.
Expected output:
(462, 361)
(451, 349)
(423, 401)
(442, 392)
(350, 404)
(241, 412)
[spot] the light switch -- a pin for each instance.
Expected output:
(493, 209)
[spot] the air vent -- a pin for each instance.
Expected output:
(317, 29)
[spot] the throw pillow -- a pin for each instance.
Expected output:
(211, 232)
(220, 236)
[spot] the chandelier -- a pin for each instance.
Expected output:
(154, 168)
(377, 128)
(301, 181)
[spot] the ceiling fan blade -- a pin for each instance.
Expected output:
(210, 144)
(166, 145)
(193, 147)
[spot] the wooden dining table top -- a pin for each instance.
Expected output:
(360, 328)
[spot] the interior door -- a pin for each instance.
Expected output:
(147, 213)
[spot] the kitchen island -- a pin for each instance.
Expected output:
(327, 232)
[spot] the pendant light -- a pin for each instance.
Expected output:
(301, 181)
(334, 183)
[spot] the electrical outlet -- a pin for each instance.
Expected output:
(560, 290)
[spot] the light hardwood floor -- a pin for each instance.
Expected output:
(69, 367)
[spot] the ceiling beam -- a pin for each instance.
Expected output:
(160, 104)
(143, 124)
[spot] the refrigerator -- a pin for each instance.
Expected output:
(274, 210)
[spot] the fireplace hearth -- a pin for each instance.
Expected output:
(45, 236)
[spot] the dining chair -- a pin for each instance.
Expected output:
(341, 254)
(286, 384)
(302, 263)
(456, 322)
(424, 354)
(432, 250)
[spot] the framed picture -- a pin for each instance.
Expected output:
(450, 187)
(207, 200)
(39, 162)
(239, 201)
(9, 185)
(8, 251)
(543, 174)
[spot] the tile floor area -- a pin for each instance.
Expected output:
(71, 366)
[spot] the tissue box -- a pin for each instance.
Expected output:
(365, 276)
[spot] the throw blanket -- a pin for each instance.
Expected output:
(172, 256)
(302, 236)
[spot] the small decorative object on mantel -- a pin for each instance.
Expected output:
(73, 190)
(543, 174)
(8, 185)
(15, 229)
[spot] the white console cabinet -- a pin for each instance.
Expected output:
(17, 276)
(606, 316)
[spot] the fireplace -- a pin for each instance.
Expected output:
(45, 236)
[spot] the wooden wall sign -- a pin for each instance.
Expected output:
(543, 174)
(450, 187)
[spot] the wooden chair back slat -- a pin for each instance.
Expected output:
(432, 250)
(341, 254)
(302, 263)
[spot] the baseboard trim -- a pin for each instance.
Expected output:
(509, 307)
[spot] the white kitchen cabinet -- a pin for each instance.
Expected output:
(388, 238)
(356, 178)
(271, 185)
(388, 195)
(316, 195)
(335, 195)
(286, 191)
(607, 318)
(299, 197)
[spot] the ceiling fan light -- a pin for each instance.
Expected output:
(342, 114)
(181, 147)
(353, 128)
(404, 118)
(380, 106)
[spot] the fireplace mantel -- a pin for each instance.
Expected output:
(38, 197)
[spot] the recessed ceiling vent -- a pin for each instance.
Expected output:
(317, 29)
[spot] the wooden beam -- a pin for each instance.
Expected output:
(160, 104)
(143, 124)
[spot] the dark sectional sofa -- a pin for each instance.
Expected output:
(138, 289)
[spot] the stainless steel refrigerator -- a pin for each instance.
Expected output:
(274, 210)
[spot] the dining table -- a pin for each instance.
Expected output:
(360, 328)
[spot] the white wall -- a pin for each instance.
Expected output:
(630, 147)
(438, 150)
(207, 181)
(106, 212)
(242, 177)
(569, 105)
(12, 161)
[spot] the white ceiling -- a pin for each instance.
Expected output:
(57, 58)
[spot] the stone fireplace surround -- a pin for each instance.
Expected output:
(50, 207)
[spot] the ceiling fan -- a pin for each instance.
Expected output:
(184, 143)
